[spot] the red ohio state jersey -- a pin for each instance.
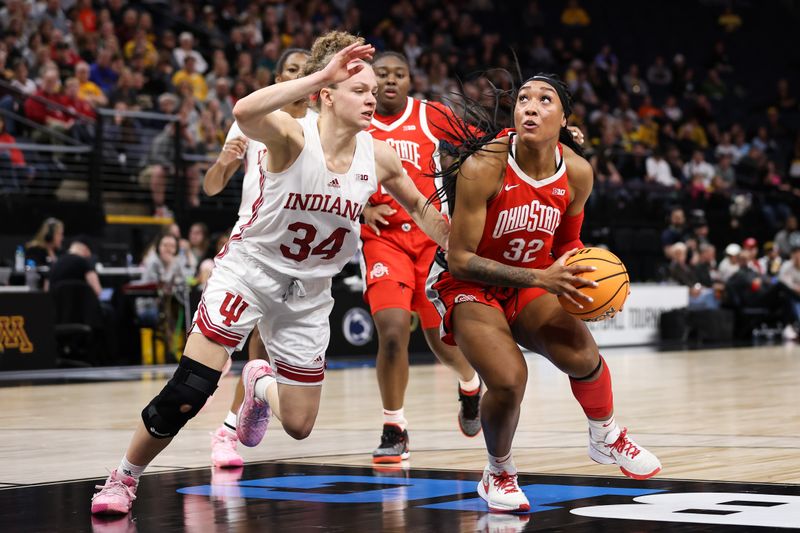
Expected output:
(522, 219)
(414, 134)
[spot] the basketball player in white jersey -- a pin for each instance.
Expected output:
(303, 230)
(238, 149)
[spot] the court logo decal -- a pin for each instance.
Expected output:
(13, 334)
(357, 326)
(646, 504)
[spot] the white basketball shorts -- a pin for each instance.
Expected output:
(292, 316)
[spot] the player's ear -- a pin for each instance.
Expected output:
(326, 96)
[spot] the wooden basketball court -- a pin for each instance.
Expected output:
(727, 415)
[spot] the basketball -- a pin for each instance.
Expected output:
(612, 288)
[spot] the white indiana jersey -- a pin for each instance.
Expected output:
(305, 221)
(253, 162)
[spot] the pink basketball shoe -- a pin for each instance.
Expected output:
(253, 414)
(223, 449)
(116, 496)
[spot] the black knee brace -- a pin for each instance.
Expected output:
(182, 398)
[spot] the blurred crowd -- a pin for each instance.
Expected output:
(679, 128)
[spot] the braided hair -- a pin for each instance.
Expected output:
(481, 121)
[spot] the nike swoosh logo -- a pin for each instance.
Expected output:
(509, 187)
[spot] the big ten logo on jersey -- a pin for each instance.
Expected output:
(408, 151)
(529, 217)
(13, 335)
(232, 308)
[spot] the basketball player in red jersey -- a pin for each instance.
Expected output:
(396, 255)
(239, 149)
(517, 199)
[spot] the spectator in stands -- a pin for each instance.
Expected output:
(633, 83)
(142, 46)
(750, 247)
(48, 112)
(724, 170)
(679, 270)
(698, 166)
(726, 147)
(50, 11)
(574, 16)
(748, 288)
(15, 173)
(658, 171)
(101, 71)
(659, 75)
(676, 231)
(72, 100)
(789, 237)
(189, 74)
(21, 81)
(186, 49)
(197, 247)
(704, 265)
(165, 269)
(730, 263)
(161, 165)
(772, 261)
(43, 248)
(207, 265)
(75, 265)
(789, 277)
(124, 143)
(87, 89)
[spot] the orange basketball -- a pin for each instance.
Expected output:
(612, 288)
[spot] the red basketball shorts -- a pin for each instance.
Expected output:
(446, 292)
(395, 269)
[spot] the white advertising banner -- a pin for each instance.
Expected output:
(638, 321)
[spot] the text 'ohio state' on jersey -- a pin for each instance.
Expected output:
(305, 221)
(414, 134)
(521, 220)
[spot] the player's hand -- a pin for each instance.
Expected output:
(346, 63)
(577, 134)
(233, 150)
(374, 216)
(563, 280)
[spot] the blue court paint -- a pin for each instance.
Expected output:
(302, 488)
(541, 496)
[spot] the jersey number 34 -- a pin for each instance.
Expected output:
(300, 248)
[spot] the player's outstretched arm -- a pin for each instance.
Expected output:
(397, 183)
(227, 163)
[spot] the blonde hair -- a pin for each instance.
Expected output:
(323, 50)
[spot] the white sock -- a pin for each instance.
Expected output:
(128, 469)
(471, 385)
(230, 423)
(601, 428)
(262, 384)
(502, 464)
(395, 417)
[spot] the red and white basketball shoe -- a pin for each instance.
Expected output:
(502, 493)
(619, 449)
